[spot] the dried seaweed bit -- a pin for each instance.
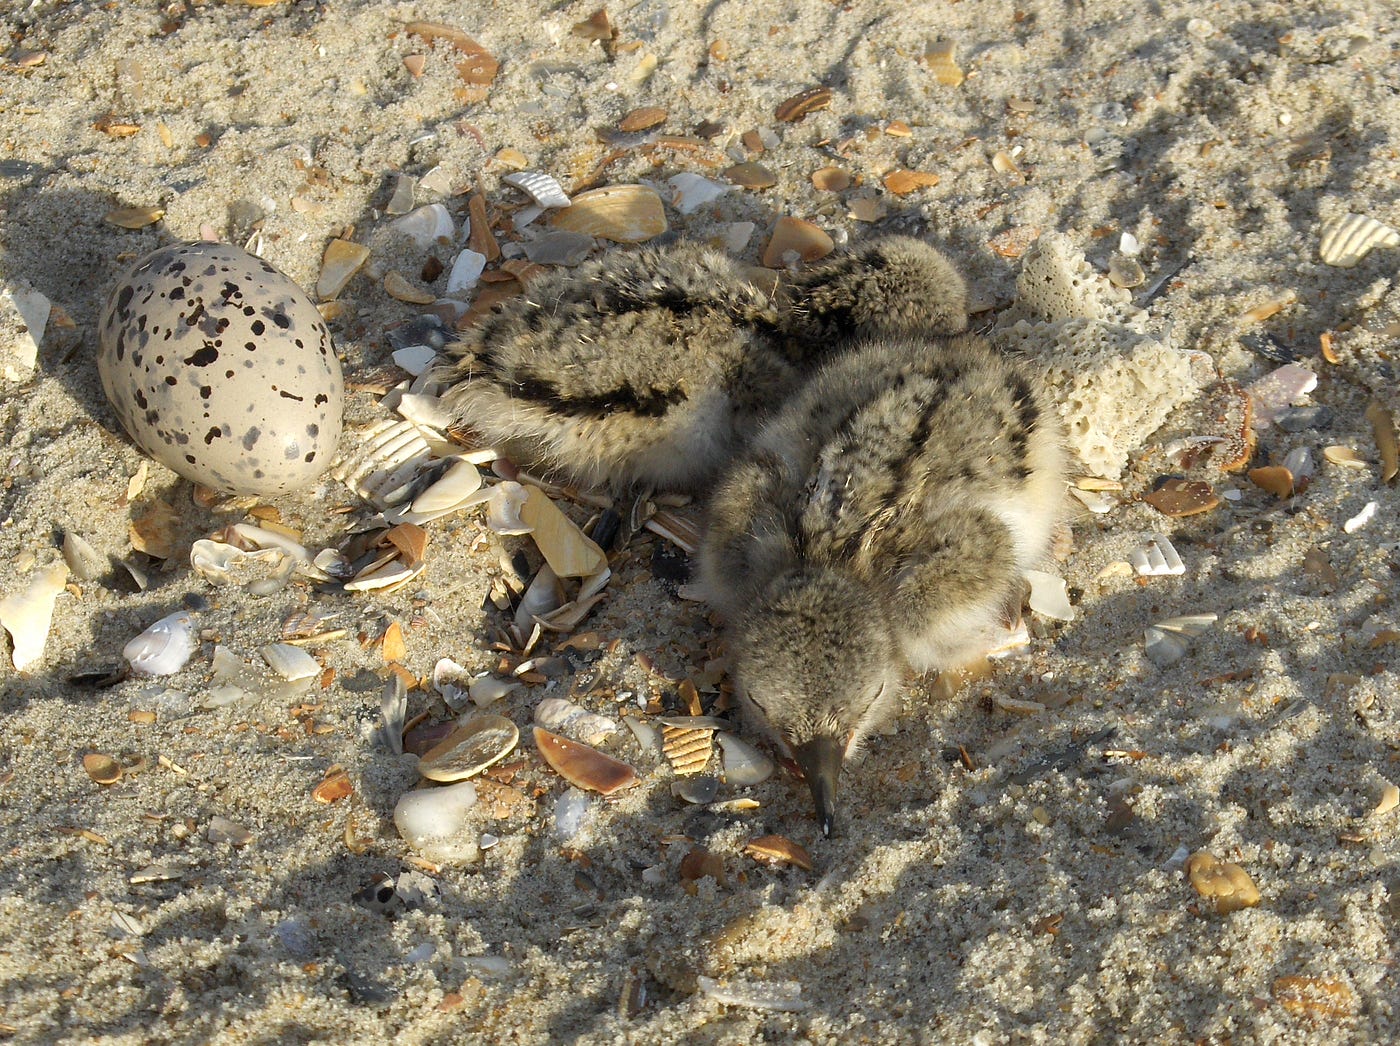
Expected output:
(796, 108)
(1383, 426)
(1227, 884)
(583, 766)
(1180, 497)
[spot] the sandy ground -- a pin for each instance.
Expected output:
(1031, 891)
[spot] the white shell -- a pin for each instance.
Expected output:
(395, 572)
(782, 996)
(447, 679)
(564, 717)
(1166, 642)
(458, 489)
(1157, 558)
(415, 358)
(1348, 239)
(692, 191)
(1363, 517)
(542, 188)
(83, 560)
(503, 508)
(217, 562)
(466, 270)
(427, 225)
(290, 662)
(1048, 596)
(743, 763)
(164, 648)
(27, 615)
(385, 459)
(433, 821)
(487, 688)
(25, 312)
(1279, 389)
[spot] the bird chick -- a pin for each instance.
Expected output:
(883, 520)
(890, 287)
(640, 369)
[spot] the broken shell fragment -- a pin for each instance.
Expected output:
(1276, 479)
(163, 648)
(222, 830)
(1228, 885)
(103, 769)
(341, 261)
(1158, 558)
(1356, 522)
(794, 109)
(643, 119)
(542, 188)
(470, 749)
(1348, 239)
(583, 766)
(940, 62)
(1344, 456)
(692, 191)
(292, 663)
(687, 749)
(621, 213)
(1383, 429)
(27, 615)
(568, 551)
(802, 240)
(744, 764)
(1180, 497)
(902, 182)
(831, 179)
(780, 996)
(503, 508)
(564, 717)
(1049, 596)
(433, 822)
(751, 176)
(779, 849)
(1167, 642)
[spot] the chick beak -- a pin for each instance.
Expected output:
(820, 761)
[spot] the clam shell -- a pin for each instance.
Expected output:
(779, 849)
(433, 821)
(901, 182)
(426, 226)
(621, 213)
(1348, 239)
(809, 242)
(384, 576)
(1276, 479)
(470, 749)
(779, 996)
(290, 662)
(687, 750)
(744, 764)
(568, 551)
(690, 192)
(583, 766)
(164, 648)
(542, 188)
(217, 562)
(103, 769)
(831, 179)
(27, 615)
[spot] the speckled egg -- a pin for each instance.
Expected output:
(220, 367)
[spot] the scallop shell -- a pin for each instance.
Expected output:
(1348, 239)
(542, 188)
(27, 615)
(621, 213)
(470, 749)
(1157, 558)
(385, 465)
(687, 750)
(163, 648)
(583, 766)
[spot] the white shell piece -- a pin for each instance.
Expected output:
(461, 480)
(427, 225)
(290, 662)
(271, 539)
(648, 737)
(782, 996)
(1128, 245)
(503, 508)
(393, 713)
(217, 562)
(571, 809)
(542, 188)
(466, 270)
(1189, 625)
(225, 694)
(487, 688)
(415, 358)
(385, 459)
(27, 615)
(1164, 648)
(450, 680)
(433, 821)
(737, 236)
(392, 573)
(744, 764)
(26, 313)
(1348, 239)
(83, 560)
(1093, 500)
(1156, 559)
(424, 410)
(691, 191)
(1300, 462)
(564, 717)
(164, 648)
(543, 597)
(526, 215)
(1363, 517)
(1279, 389)
(1049, 597)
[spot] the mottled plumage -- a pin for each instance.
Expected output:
(884, 518)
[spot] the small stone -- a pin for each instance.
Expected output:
(433, 822)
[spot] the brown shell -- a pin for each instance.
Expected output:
(799, 105)
(583, 766)
(779, 849)
(621, 213)
(793, 234)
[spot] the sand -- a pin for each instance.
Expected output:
(1029, 890)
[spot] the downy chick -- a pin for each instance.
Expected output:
(883, 520)
(637, 369)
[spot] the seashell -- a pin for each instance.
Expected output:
(453, 491)
(1166, 642)
(564, 717)
(85, 562)
(485, 689)
(333, 564)
(568, 551)
(696, 790)
(1276, 479)
(1344, 456)
(341, 261)
(621, 213)
(751, 176)
(571, 809)
(583, 766)
(1179, 497)
(542, 188)
(1018, 706)
(687, 749)
(410, 539)
(465, 272)
(831, 179)
(1348, 239)
(384, 576)
(1049, 596)
(1383, 431)
(26, 313)
(261, 537)
(1390, 799)
(477, 68)
(433, 822)
(290, 662)
(1158, 558)
(134, 217)
(744, 765)
(1221, 881)
(794, 236)
(642, 119)
(902, 182)
(1363, 517)
(336, 785)
(779, 849)
(393, 712)
(416, 359)
(470, 749)
(796, 108)
(780, 996)
(1314, 997)
(695, 722)
(27, 615)
(426, 226)
(398, 287)
(401, 200)
(689, 192)
(503, 508)
(543, 597)
(222, 830)
(1279, 389)
(218, 562)
(386, 459)
(648, 737)
(1094, 501)
(940, 62)
(164, 648)
(1125, 272)
(103, 769)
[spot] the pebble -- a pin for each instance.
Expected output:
(433, 822)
